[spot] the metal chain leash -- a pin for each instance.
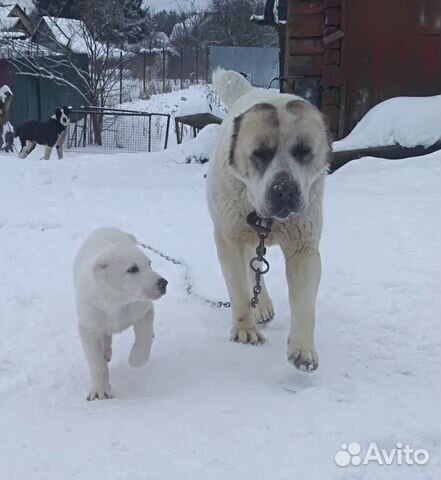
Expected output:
(187, 279)
(263, 228)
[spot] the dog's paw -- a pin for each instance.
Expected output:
(302, 357)
(138, 356)
(264, 311)
(100, 394)
(250, 335)
(108, 353)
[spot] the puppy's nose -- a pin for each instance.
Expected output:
(162, 284)
(284, 196)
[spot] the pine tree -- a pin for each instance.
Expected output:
(56, 8)
(136, 20)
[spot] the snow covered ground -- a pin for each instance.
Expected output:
(205, 408)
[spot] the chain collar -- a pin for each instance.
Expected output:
(262, 226)
(259, 264)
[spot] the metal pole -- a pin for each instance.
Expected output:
(163, 70)
(151, 64)
(197, 64)
(181, 66)
(120, 76)
(150, 133)
(207, 63)
(143, 71)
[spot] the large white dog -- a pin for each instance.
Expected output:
(114, 286)
(271, 157)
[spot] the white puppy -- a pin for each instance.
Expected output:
(114, 286)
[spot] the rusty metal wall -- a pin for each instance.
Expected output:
(391, 48)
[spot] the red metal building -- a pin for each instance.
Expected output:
(349, 55)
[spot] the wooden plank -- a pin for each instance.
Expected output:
(331, 96)
(306, 26)
(306, 7)
(331, 57)
(305, 65)
(332, 76)
(333, 16)
(331, 112)
(392, 152)
(331, 36)
(307, 46)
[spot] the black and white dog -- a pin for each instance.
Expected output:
(50, 133)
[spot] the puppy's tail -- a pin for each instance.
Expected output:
(230, 85)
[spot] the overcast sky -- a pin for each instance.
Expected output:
(174, 4)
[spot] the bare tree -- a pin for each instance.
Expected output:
(232, 23)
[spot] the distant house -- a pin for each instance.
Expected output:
(14, 22)
(194, 28)
(61, 34)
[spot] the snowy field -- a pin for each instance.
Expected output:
(205, 408)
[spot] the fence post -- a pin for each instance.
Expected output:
(143, 70)
(207, 64)
(181, 66)
(39, 93)
(197, 64)
(163, 70)
(120, 76)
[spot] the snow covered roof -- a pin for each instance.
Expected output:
(67, 32)
(187, 26)
(12, 16)
(6, 22)
(74, 35)
(160, 39)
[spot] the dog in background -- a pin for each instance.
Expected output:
(50, 133)
(5, 105)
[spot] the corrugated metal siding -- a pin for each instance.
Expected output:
(260, 64)
(37, 98)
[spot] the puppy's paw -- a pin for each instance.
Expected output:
(138, 356)
(264, 311)
(100, 394)
(244, 335)
(302, 357)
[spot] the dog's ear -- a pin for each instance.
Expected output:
(100, 264)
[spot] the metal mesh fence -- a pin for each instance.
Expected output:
(106, 130)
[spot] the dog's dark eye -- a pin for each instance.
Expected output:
(264, 153)
(133, 269)
(301, 152)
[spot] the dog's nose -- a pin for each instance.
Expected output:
(162, 284)
(284, 196)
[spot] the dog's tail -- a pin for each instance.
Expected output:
(230, 85)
